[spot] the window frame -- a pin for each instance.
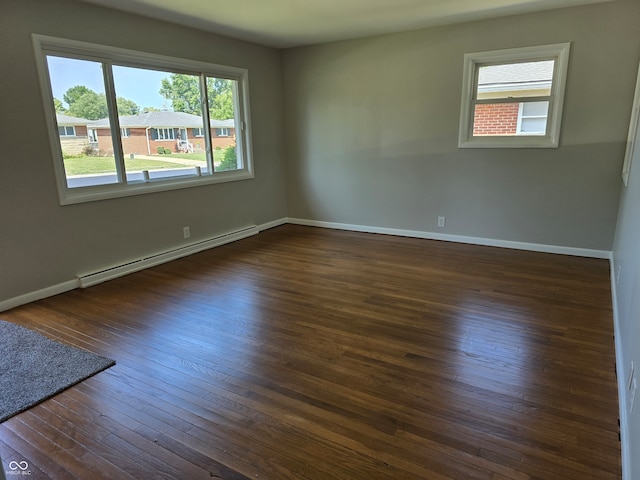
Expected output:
(522, 116)
(46, 45)
(165, 134)
(222, 132)
(64, 129)
(558, 52)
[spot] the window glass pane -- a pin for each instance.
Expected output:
(533, 119)
(515, 80)
(531, 109)
(79, 100)
(506, 119)
(158, 111)
(220, 92)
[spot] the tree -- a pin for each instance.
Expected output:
(127, 107)
(85, 103)
(59, 106)
(222, 105)
(72, 95)
(184, 93)
(90, 105)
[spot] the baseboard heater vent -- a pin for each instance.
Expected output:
(153, 260)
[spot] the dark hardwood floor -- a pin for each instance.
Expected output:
(306, 353)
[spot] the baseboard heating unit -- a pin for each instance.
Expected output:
(163, 257)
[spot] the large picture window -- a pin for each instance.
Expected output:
(513, 98)
(144, 122)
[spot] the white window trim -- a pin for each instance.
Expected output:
(558, 52)
(64, 129)
(222, 132)
(200, 132)
(522, 116)
(164, 134)
(125, 132)
(83, 50)
(632, 137)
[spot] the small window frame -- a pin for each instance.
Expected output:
(46, 45)
(473, 61)
(65, 131)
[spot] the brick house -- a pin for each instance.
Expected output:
(145, 133)
(518, 80)
(73, 134)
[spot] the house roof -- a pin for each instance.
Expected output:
(69, 120)
(515, 75)
(163, 119)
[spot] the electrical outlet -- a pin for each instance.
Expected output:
(632, 400)
(186, 231)
(441, 221)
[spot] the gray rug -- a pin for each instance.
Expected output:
(34, 368)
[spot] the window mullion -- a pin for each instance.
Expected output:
(204, 99)
(485, 101)
(114, 122)
(239, 124)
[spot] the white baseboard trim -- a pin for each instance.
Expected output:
(116, 271)
(489, 242)
(153, 260)
(38, 295)
(273, 224)
(622, 381)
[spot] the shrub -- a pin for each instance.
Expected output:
(160, 150)
(229, 160)
(167, 151)
(89, 151)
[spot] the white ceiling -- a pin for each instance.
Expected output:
(289, 23)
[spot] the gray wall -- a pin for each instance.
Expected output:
(372, 125)
(626, 256)
(44, 244)
(371, 133)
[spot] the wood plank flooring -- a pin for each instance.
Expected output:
(305, 353)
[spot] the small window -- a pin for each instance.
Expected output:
(155, 152)
(163, 134)
(532, 118)
(67, 131)
(513, 98)
(222, 132)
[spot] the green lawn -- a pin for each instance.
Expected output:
(217, 156)
(93, 165)
(189, 156)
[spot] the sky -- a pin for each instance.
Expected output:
(135, 84)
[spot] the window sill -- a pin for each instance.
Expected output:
(516, 141)
(70, 196)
